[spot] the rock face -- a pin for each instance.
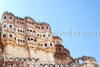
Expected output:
(24, 38)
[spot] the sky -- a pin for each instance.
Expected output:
(72, 20)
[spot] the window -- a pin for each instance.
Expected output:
(10, 26)
(22, 22)
(38, 34)
(17, 21)
(50, 44)
(49, 35)
(20, 30)
(31, 38)
(43, 35)
(30, 30)
(4, 35)
(10, 35)
(18, 40)
(23, 31)
(38, 27)
(15, 38)
(45, 44)
(33, 31)
(29, 22)
(59, 48)
(28, 38)
(23, 41)
(14, 28)
(47, 27)
(4, 25)
(27, 29)
(42, 27)
(35, 40)
(41, 44)
(10, 17)
(5, 17)
(31, 47)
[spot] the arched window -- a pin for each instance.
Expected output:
(43, 35)
(22, 22)
(23, 31)
(33, 31)
(23, 41)
(15, 38)
(28, 38)
(42, 27)
(4, 25)
(38, 34)
(35, 40)
(38, 27)
(31, 38)
(10, 35)
(47, 27)
(17, 21)
(5, 17)
(59, 49)
(49, 35)
(30, 30)
(20, 30)
(10, 26)
(27, 29)
(29, 22)
(10, 17)
(45, 44)
(4, 35)
(18, 40)
(50, 44)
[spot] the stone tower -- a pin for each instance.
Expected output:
(24, 37)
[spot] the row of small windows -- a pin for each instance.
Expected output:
(32, 39)
(19, 22)
(14, 20)
(43, 35)
(30, 22)
(29, 39)
(42, 27)
(4, 35)
(37, 34)
(20, 31)
(27, 22)
(21, 40)
(9, 26)
(6, 17)
(10, 35)
(46, 44)
(14, 28)
(31, 30)
(38, 27)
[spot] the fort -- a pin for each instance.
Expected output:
(24, 38)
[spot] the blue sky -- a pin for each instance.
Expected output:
(64, 16)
